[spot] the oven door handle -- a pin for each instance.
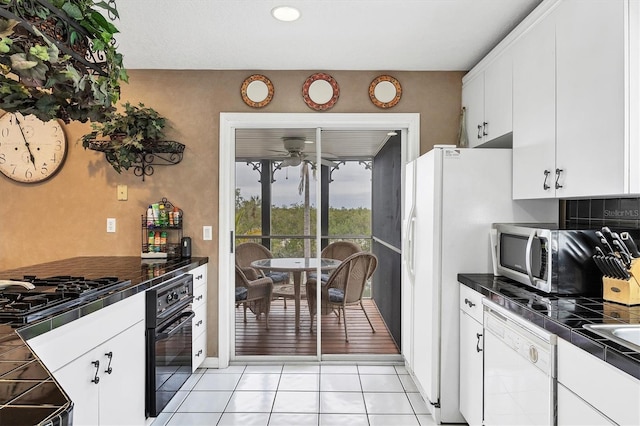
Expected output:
(183, 318)
(171, 311)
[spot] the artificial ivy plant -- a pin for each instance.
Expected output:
(42, 47)
(124, 136)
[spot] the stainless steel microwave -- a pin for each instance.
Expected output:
(550, 259)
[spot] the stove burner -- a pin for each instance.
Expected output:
(52, 295)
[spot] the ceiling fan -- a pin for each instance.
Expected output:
(294, 153)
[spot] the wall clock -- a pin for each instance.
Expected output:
(31, 150)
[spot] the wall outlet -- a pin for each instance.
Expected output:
(207, 233)
(111, 224)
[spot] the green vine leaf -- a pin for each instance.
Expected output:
(72, 10)
(20, 62)
(39, 52)
(49, 78)
(7, 26)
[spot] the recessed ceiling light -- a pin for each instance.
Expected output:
(391, 133)
(285, 13)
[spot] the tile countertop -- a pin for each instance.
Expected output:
(564, 316)
(28, 393)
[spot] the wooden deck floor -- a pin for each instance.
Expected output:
(252, 338)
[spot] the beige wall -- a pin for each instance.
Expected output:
(66, 216)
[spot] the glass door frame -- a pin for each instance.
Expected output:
(229, 122)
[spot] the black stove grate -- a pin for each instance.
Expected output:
(52, 295)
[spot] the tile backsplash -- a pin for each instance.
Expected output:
(616, 213)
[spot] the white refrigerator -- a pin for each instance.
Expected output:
(452, 196)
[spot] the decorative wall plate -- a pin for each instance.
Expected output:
(385, 91)
(257, 91)
(320, 91)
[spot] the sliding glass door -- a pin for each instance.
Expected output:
(303, 195)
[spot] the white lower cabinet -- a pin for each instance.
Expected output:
(572, 410)
(471, 356)
(99, 361)
(106, 384)
(199, 325)
(596, 390)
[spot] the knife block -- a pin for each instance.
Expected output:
(626, 292)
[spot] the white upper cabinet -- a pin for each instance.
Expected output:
(570, 111)
(486, 95)
(590, 72)
(534, 112)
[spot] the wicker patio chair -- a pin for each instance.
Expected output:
(253, 292)
(339, 250)
(248, 252)
(343, 288)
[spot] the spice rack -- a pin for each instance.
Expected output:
(161, 231)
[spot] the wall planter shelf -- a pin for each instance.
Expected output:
(156, 153)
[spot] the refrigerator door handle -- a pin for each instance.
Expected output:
(412, 253)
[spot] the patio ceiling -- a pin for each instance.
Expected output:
(261, 144)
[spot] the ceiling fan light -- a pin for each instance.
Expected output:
(292, 161)
(285, 13)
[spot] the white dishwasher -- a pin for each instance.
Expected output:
(519, 370)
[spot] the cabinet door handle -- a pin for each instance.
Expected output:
(109, 355)
(558, 171)
(199, 277)
(478, 336)
(96, 379)
(546, 176)
(469, 302)
(199, 297)
(199, 352)
(199, 323)
(484, 128)
(479, 131)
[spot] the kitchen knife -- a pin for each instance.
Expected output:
(605, 242)
(622, 247)
(630, 244)
(610, 270)
(600, 264)
(623, 273)
(615, 268)
(626, 258)
(599, 258)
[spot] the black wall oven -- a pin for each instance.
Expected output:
(168, 334)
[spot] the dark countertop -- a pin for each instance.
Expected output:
(28, 393)
(564, 316)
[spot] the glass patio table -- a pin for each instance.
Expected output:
(296, 266)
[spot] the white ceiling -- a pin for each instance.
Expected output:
(402, 35)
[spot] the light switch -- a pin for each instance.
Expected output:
(111, 224)
(207, 233)
(122, 193)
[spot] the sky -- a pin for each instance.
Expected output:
(351, 186)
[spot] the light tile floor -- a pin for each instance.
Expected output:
(298, 395)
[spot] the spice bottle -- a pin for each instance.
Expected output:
(176, 216)
(163, 215)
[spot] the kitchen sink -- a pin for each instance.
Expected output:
(627, 335)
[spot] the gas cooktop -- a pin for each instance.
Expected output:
(23, 300)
